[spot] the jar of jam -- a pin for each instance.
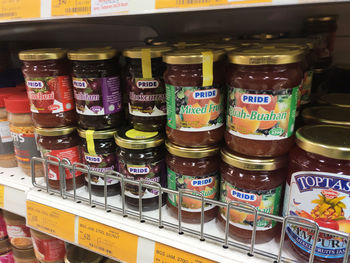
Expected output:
(49, 87)
(18, 232)
(263, 86)
(196, 170)
(141, 156)
(97, 91)
(24, 255)
(145, 87)
(63, 143)
(79, 255)
(6, 255)
(318, 189)
(99, 153)
(335, 99)
(254, 181)
(327, 115)
(195, 103)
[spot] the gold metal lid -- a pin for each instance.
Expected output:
(183, 45)
(335, 99)
(331, 141)
(55, 131)
(265, 36)
(321, 18)
(304, 47)
(105, 134)
(42, 54)
(253, 163)
(90, 54)
(185, 152)
(79, 255)
(311, 43)
(225, 46)
(191, 56)
(138, 140)
(327, 115)
(156, 51)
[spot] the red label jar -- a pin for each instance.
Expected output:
(49, 87)
(18, 232)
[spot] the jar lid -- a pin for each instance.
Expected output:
(42, 54)
(320, 18)
(138, 140)
(4, 95)
(136, 52)
(79, 255)
(225, 46)
(327, 140)
(311, 43)
(105, 134)
(18, 103)
(191, 56)
(265, 56)
(335, 99)
(327, 115)
(265, 36)
(184, 44)
(275, 45)
(91, 54)
(55, 131)
(253, 163)
(186, 152)
(23, 253)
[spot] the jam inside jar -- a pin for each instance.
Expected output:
(49, 88)
(263, 86)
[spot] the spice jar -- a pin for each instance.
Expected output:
(22, 131)
(24, 255)
(63, 143)
(262, 99)
(195, 103)
(327, 115)
(49, 87)
(79, 255)
(193, 170)
(145, 87)
(18, 232)
(317, 188)
(141, 157)
(335, 99)
(3, 230)
(97, 91)
(5, 252)
(99, 153)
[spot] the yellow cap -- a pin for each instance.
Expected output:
(191, 56)
(186, 152)
(327, 115)
(55, 131)
(42, 54)
(90, 54)
(136, 52)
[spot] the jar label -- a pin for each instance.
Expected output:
(324, 198)
(97, 96)
(49, 249)
(306, 87)
(261, 115)
(6, 141)
(3, 230)
(50, 94)
(267, 201)
(207, 185)
(7, 258)
(25, 143)
(194, 109)
(19, 236)
(146, 97)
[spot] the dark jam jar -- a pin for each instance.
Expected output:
(257, 182)
(145, 87)
(318, 189)
(194, 171)
(263, 86)
(141, 157)
(99, 153)
(97, 91)
(63, 143)
(195, 102)
(49, 87)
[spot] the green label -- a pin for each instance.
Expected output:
(306, 87)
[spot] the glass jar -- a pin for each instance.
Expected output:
(63, 143)
(195, 170)
(141, 156)
(257, 182)
(97, 91)
(263, 85)
(79, 255)
(327, 115)
(24, 255)
(5, 251)
(22, 131)
(335, 99)
(99, 153)
(195, 103)
(145, 87)
(317, 189)
(49, 87)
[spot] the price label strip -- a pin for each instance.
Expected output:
(107, 240)
(109, 6)
(70, 7)
(2, 196)
(203, 3)
(19, 9)
(51, 220)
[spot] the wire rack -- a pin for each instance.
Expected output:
(250, 249)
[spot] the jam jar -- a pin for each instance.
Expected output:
(327, 115)
(263, 86)
(24, 255)
(79, 255)
(193, 170)
(335, 99)
(63, 143)
(97, 91)
(18, 232)
(145, 87)
(49, 87)
(195, 102)
(257, 182)
(99, 153)
(141, 156)
(317, 188)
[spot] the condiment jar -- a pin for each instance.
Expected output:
(335, 99)
(193, 170)
(79, 255)
(63, 143)
(263, 85)
(24, 255)
(145, 87)
(141, 157)
(327, 115)
(49, 87)
(195, 103)
(317, 188)
(22, 131)
(257, 182)
(97, 91)
(99, 153)
(5, 251)
(3, 230)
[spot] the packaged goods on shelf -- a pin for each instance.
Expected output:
(18, 232)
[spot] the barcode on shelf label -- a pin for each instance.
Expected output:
(70, 7)
(109, 6)
(51, 220)
(2, 194)
(107, 240)
(203, 3)
(18, 9)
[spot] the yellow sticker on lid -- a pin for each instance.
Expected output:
(207, 68)
(146, 63)
(90, 141)
(140, 135)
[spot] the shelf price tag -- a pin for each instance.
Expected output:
(18, 9)
(2, 195)
(51, 220)
(107, 240)
(70, 7)
(164, 253)
(203, 3)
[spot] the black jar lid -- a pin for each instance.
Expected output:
(137, 140)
